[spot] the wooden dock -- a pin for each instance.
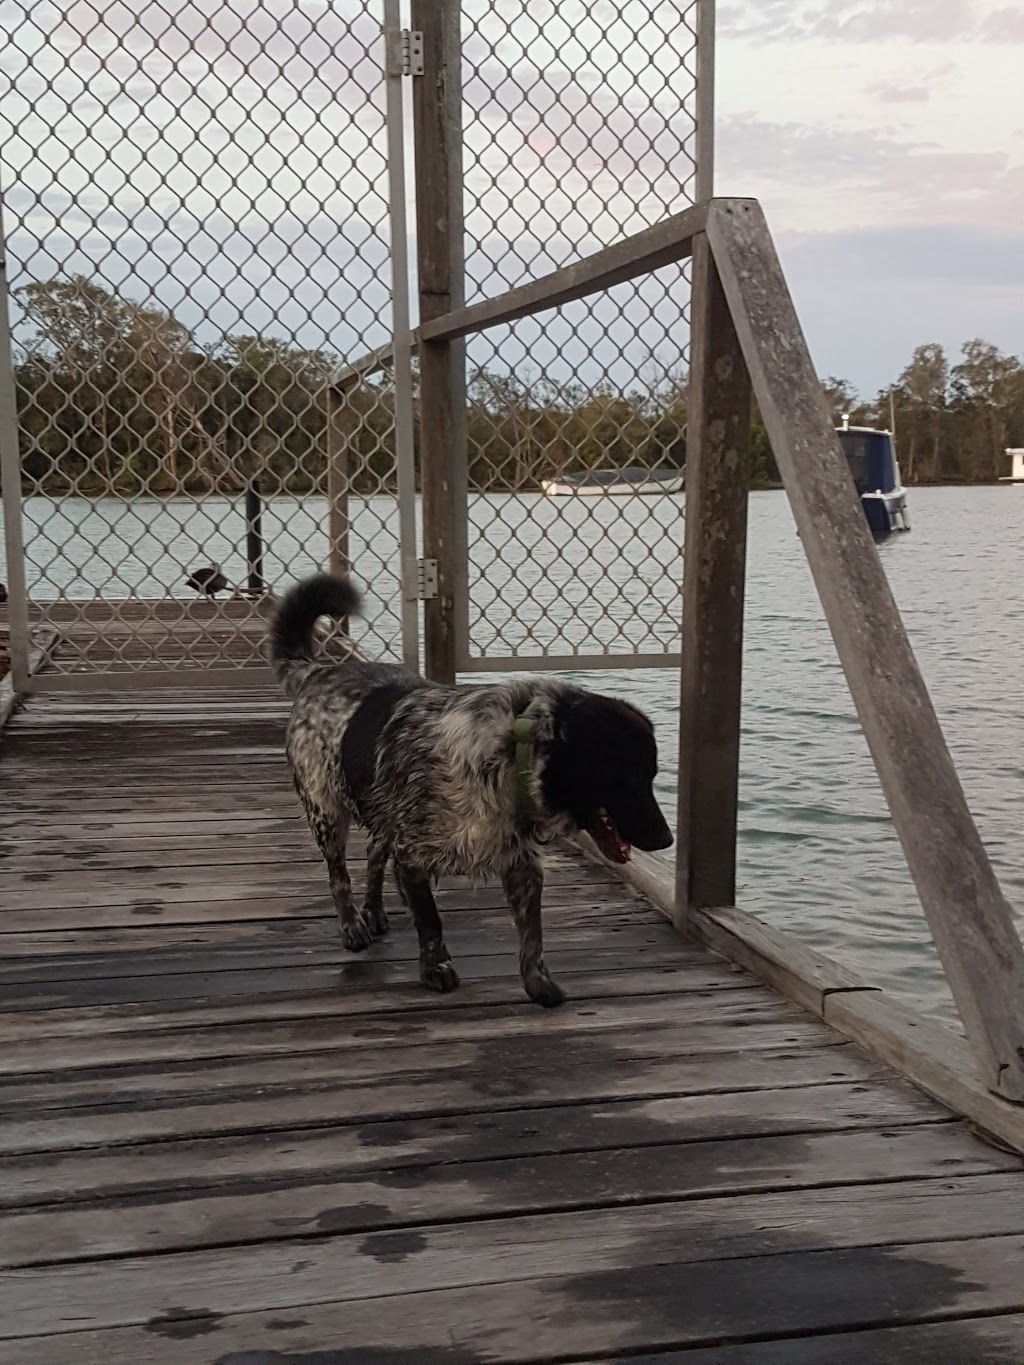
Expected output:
(225, 1141)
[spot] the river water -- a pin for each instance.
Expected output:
(818, 854)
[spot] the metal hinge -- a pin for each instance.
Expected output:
(411, 52)
(427, 579)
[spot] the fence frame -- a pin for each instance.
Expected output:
(748, 340)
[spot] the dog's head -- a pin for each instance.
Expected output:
(600, 771)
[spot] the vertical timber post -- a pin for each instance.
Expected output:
(10, 480)
(437, 122)
(254, 538)
(704, 170)
(337, 482)
(714, 565)
(338, 466)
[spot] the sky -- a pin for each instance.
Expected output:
(885, 140)
(224, 159)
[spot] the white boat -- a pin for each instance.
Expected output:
(615, 482)
(1016, 474)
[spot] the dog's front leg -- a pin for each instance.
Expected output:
(436, 969)
(524, 885)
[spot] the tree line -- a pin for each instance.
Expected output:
(115, 395)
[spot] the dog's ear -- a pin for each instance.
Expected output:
(607, 733)
(592, 737)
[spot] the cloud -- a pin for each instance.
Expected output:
(890, 93)
(854, 21)
(1004, 26)
(864, 177)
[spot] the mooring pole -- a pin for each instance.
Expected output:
(254, 538)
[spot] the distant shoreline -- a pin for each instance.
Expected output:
(771, 486)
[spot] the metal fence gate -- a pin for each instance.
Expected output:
(211, 365)
(198, 222)
(582, 126)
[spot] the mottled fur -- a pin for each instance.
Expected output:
(429, 771)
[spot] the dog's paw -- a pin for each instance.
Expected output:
(439, 976)
(543, 991)
(356, 935)
(378, 922)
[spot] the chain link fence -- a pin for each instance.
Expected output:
(195, 203)
(580, 129)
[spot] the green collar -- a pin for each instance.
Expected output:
(524, 730)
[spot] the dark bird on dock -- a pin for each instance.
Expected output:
(3, 592)
(209, 580)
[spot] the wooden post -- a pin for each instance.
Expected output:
(714, 564)
(437, 115)
(338, 466)
(337, 482)
(970, 920)
(254, 538)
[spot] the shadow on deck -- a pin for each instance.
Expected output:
(227, 1142)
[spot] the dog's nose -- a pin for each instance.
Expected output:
(659, 836)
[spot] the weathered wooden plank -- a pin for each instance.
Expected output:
(367, 1201)
(180, 875)
(119, 817)
(969, 916)
(135, 1290)
(50, 927)
(82, 856)
(505, 1051)
(932, 1056)
(688, 973)
(30, 894)
(954, 1341)
(800, 973)
(121, 826)
(561, 1317)
(346, 1029)
(714, 571)
(559, 1079)
(205, 982)
(312, 1155)
(56, 852)
(482, 933)
(651, 249)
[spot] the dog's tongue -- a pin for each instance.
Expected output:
(609, 840)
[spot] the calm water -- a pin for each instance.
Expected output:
(818, 854)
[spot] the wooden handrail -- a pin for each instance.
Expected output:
(969, 916)
(668, 241)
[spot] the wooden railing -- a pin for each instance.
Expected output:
(746, 340)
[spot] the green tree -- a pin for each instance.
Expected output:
(985, 388)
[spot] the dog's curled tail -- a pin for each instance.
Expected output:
(291, 631)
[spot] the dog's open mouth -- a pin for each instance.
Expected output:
(608, 839)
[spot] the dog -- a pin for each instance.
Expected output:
(470, 780)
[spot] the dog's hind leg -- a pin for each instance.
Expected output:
(330, 830)
(436, 968)
(376, 916)
(523, 883)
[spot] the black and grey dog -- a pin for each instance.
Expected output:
(470, 780)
